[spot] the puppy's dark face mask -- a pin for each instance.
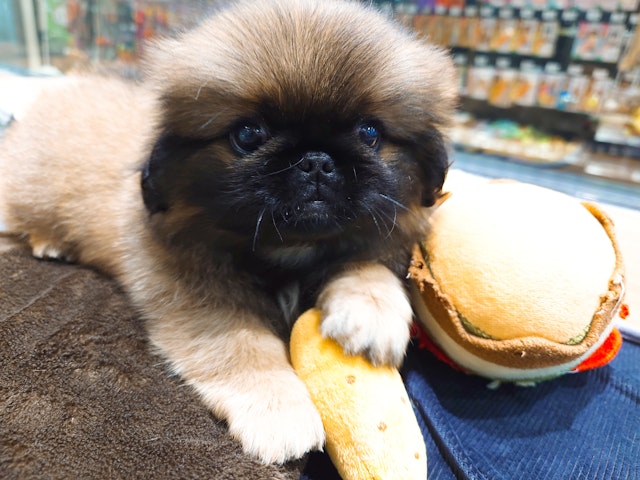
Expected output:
(303, 179)
(273, 182)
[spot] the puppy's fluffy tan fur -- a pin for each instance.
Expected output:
(70, 182)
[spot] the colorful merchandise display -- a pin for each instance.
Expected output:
(560, 56)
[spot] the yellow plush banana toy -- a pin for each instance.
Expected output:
(372, 432)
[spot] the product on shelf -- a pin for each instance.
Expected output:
(550, 85)
(525, 85)
(500, 92)
(480, 78)
(522, 41)
(572, 93)
(546, 37)
(600, 86)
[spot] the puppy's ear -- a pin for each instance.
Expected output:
(434, 162)
(155, 191)
(161, 174)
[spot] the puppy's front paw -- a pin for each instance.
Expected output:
(367, 311)
(278, 425)
(47, 250)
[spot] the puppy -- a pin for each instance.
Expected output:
(277, 157)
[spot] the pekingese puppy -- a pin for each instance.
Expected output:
(276, 157)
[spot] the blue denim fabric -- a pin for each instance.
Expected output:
(583, 426)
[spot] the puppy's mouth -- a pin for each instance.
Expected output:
(318, 212)
(312, 216)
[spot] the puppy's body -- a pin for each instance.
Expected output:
(273, 161)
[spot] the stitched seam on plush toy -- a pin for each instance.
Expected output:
(580, 337)
(466, 324)
(472, 329)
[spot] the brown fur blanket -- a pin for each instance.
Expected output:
(82, 396)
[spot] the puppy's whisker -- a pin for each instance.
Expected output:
(257, 232)
(338, 225)
(380, 216)
(273, 220)
(395, 202)
(291, 165)
(209, 121)
(375, 220)
(394, 221)
(211, 118)
(199, 90)
(385, 218)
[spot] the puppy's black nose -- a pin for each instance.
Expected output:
(317, 163)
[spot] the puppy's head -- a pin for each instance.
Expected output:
(290, 121)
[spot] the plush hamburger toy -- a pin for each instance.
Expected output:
(518, 283)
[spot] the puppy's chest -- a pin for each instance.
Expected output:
(292, 277)
(292, 293)
(289, 301)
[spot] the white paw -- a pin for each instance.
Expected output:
(279, 425)
(366, 310)
(47, 250)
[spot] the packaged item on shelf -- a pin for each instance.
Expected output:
(587, 43)
(550, 85)
(613, 39)
(625, 98)
(460, 60)
(523, 39)
(546, 36)
(486, 32)
(500, 90)
(447, 30)
(505, 32)
(480, 78)
(600, 86)
(435, 28)
(474, 30)
(525, 85)
(458, 26)
(572, 94)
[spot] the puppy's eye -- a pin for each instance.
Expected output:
(370, 135)
(248, 137)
